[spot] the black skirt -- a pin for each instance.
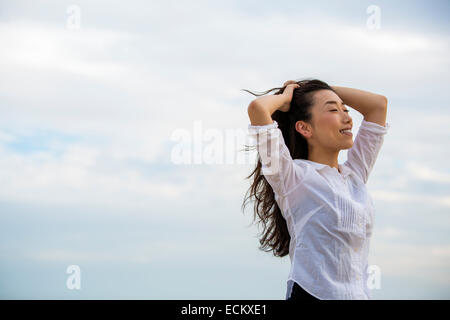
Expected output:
(298, 293)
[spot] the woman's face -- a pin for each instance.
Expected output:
(329, 117)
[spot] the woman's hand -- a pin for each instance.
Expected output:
(287, 93)
(289, 82)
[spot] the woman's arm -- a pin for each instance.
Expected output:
(372, 106)
(276, 161)
(261, 109)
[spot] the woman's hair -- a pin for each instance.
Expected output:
(275, 235)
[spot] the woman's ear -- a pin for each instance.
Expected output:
(303, 128)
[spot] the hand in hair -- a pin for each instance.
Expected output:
(287, 92)
(289, 82)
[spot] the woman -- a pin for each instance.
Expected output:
(312, 207)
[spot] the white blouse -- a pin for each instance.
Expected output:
(329, 214)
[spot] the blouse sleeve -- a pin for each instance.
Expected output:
(277, 165)
(362, 155)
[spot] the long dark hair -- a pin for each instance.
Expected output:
(275, 234)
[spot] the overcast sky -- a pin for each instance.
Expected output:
(95, 94)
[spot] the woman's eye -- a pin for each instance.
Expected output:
(337, 110)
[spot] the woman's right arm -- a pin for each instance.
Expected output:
(261, 109)
(276, 162)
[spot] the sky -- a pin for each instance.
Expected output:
(97, 98)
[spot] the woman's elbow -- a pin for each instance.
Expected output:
(383, 101)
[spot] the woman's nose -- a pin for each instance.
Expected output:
(348, 118)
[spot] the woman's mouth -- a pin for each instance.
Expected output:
(346, 132)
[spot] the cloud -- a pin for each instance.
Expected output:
(441, 251)
(76, 175)
(410, 198)
(427, 262)
(124, 82)
(422, 172)
(390, 232)
(48, 48)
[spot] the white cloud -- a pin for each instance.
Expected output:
(6, 137)
(46, 48)
(427, 262)
(390, 232)
(155, 251)
(422, 172)
(74, 177)
(441, 251)
(408, 197)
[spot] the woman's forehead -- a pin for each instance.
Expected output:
(323, 96)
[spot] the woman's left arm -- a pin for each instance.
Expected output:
(372, 106)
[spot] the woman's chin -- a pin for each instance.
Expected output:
(348, 145)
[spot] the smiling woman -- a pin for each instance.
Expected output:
(313, 208)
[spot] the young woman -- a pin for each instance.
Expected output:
(313, 208)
